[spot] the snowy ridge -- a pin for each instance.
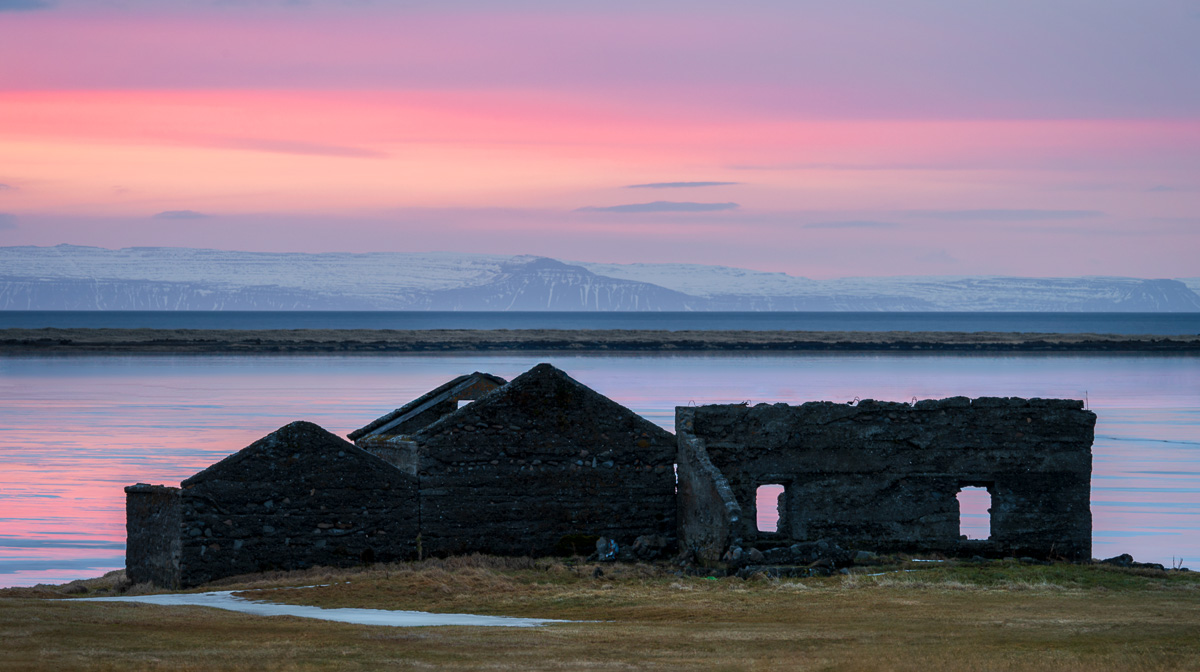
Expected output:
(707, 281)
(379, 273)
(70, 277)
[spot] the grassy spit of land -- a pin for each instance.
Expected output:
(959, 616)
(570, 340)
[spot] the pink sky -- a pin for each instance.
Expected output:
(870, 138)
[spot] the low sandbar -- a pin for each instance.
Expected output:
(341, 341)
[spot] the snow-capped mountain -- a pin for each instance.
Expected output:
(70, 277)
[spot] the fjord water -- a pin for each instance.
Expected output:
(1162, 324)
(75, 430)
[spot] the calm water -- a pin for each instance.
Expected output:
(75, 430)
(1103, 323)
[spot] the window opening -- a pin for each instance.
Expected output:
(975, 513)
(766, 502)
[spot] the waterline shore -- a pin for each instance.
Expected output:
(342, 341)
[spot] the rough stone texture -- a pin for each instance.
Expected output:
(538, 463)
(884, 476)
(152, 535)
(296, 498)
(426, 409)
(709, 514)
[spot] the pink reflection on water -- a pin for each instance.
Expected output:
(74, 431)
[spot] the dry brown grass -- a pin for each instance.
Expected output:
(644, 617)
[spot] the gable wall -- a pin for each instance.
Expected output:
(288, 508)
(541, 460)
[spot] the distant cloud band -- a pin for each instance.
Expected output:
(679, 185)
(1005, 215)
(299, 147)
(23, 5)
(663, 206)
(180, 214)
(851, 225)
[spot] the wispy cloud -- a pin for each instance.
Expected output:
(300, 147)
(181, 214)
(856, 166)
(662, 206)
(852, 225)
(7, 187)
(23, 5)
(1003, 215)
(7, 221)
(680, 185)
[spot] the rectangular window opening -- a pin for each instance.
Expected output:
(975, 513)
(767, 500)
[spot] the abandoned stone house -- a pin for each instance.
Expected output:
(530, 463)
(544, 465)
(885, 476)
(296, 498)
(537, 466)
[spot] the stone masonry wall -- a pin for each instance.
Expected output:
(152, 546)
(523, 469)
(884, 476)
(297, 498)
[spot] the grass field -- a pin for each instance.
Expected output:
(996, 616)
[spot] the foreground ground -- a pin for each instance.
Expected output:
(998, 616)
(574, 340)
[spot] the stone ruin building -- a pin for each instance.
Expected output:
(538, 466)
(531, 466)
(296, 498)
(885, 476)
(544, 465)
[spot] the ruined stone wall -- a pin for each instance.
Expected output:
(152, 546)
(708, 512)
(885, 476)
(442, 408)
(297, 498)
(539, 462)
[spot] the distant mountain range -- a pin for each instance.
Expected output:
(70, 277)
